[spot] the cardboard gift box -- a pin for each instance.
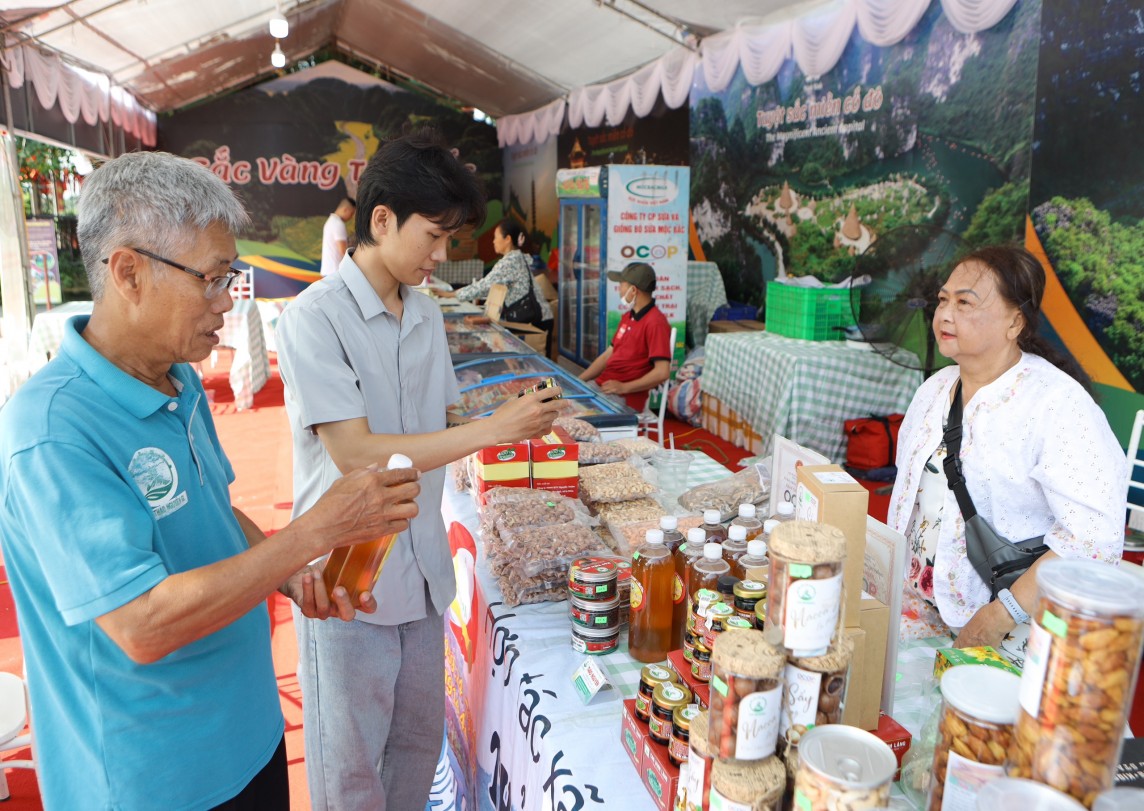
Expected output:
(555, 460)
(700, 690)
(506, 465)
(660, 777)
(896, 736)
(985, 655)
(829, 495)
(633, 734)
(868, 667)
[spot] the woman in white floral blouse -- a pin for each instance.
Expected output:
(1037, 453)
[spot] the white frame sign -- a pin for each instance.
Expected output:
(787, 457)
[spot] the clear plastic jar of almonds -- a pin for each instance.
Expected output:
(804, 592)
(979, 708)
(843, 768)
(747, 785)
(1080, 675)
(814, 688)
(746, 695)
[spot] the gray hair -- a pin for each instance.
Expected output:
(152, 200)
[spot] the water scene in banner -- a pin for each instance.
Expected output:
(294, 146)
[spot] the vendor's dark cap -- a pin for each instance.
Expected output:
(637, 274)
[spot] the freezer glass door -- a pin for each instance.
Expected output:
(591, 283)
(569, 277)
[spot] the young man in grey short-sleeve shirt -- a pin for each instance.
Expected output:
(367, 374)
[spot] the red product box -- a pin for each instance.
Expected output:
(896, 737)
(633, 735)
(660, 777)
(505, 465)
(699, 689)
(555, 461)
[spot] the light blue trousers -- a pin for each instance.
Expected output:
(373, 707)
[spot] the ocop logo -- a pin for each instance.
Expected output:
(506, 455)
(756, 705)
(653, 190)
(649, 251)
(805, 592)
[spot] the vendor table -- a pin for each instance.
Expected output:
(242, 331)
(805, 390)
(518, 735)
(705, 295)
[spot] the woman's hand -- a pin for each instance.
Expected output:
(445, 293)
(987, 627)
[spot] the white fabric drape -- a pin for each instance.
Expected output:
(815, 41)
(971, 16)
(79, 93)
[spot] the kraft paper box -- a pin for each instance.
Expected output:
(874, 619)
(633, 734)
(829, 495)
(700, 690)
(854, 690)
(555, 463)
(501, 466)
(660, 777)
(948, 657)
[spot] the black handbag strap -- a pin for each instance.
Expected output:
(952, 463)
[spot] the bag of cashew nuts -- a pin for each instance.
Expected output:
(1079, 678)
(725, 495)
(618, 481)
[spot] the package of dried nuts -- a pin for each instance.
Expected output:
(843, 768)
(814, 687)
(979, 708)
(804, 592)
(746, 694)
(747, 785)
(1080, 675)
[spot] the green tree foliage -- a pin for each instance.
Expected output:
(1000, 219)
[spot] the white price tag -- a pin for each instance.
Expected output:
(589, 679)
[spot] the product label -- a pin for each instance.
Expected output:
(720, 803)
(677, 590)
(629, 741)
(758, 732)
(589, 679)
(655, 725)
(800, 698)
(642, 703)
(964, 778)
(1036, 666)
(658, 673)
(672, 693)
(835, 477)
(636, 596)
(805, 504)
(811, 614)
(801, 801)
(696, 771)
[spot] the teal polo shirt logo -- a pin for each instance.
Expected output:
(158, 479)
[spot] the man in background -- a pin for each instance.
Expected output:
(335, 237)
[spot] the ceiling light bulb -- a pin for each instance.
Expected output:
(278, 59)
(279, 26)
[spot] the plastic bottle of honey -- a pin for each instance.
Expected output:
(748, 517)
(769, 526)
(704, 575)
(356, 567)
(672, 537)
(653, 581)
(685, 555)
(736, 544)
(755, 565)
(715, 531)
(784, 511)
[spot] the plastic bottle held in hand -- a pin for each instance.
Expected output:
(755, 565)
(356, 567)
(672, 537)
(735, 546)
(748, 518)
(716, 532)
(684, 557)
(704, 576)
(653, 580)
(783, 512)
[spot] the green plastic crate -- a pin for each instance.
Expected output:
(809, 313)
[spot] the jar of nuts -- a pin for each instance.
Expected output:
(699, 762)
(747, 785)
(814, 688)
(1080, 674)
(979, 708)
(1012, 792)
(804, 594)
(843, 768)
(746, 694)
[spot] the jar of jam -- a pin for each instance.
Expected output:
(593, 578)
(665, 700)
(748, 594)
(700, 606)
(595, 641)
(681, 733)
(717, 617)
(651, 677)
(701, 662)
(594, 614)
(737, 623)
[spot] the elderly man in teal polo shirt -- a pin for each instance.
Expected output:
(138, 587)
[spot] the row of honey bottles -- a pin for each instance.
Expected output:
(669, 569)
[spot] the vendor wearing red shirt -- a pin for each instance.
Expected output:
(639, 358)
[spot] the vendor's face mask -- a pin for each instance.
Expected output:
(626, 302)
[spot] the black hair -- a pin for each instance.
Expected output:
(417, 174)
(1020, 280)
(512, 229)
(349, 200)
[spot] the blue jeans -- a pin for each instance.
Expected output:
(373, 707)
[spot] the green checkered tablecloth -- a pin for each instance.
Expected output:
(804, 390)
(705, 294)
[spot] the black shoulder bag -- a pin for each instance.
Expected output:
(997, 561)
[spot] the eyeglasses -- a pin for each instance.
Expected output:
(214, 286)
